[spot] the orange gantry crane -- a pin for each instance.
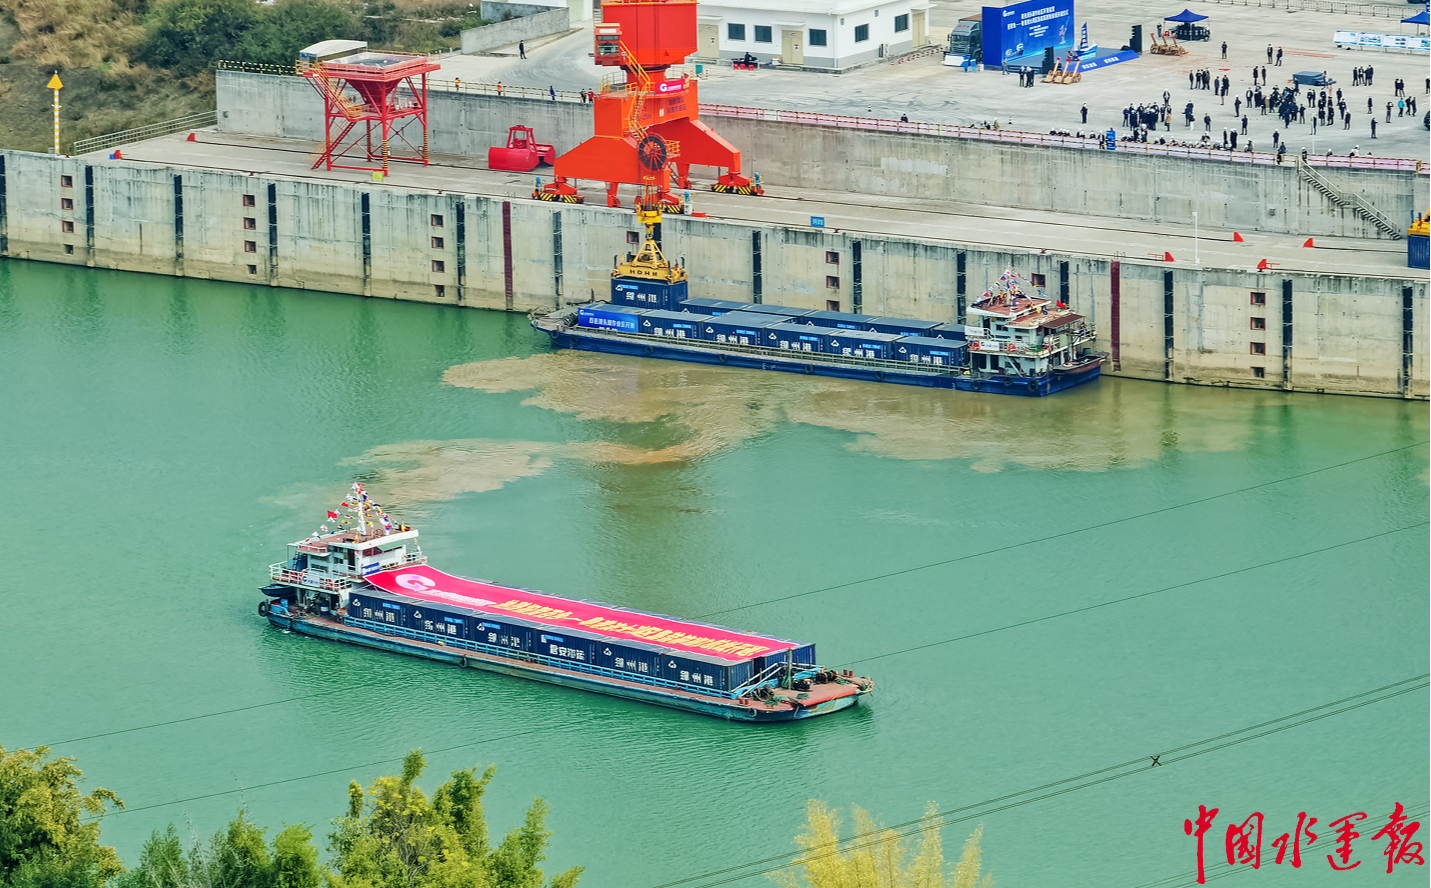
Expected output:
(646, 123)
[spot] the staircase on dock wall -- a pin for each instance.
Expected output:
(1347, 200)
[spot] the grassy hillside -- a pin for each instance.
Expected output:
(127, 63)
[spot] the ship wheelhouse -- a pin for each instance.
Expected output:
(323, 570)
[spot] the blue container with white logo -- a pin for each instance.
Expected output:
(838, 319)
(952, 330)
(784, 311)
(795, 337)
(901, 327)
(617, 318)
(714, 306)
(860, 344)
(928, 350)
(648, 294)
(738, 327)
(677, 324)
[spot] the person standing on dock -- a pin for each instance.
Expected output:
(1084, 112)
(521, 49)
(1279, 55)
(1224, 49)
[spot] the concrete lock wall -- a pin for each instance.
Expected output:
(528, 27)
(1333, 333)
(1028, 177)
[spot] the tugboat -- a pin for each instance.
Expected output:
(1023, 344)
(367, 582)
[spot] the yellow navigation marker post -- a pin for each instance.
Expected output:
(55, 85)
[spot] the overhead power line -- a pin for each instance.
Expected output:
(1140, 765)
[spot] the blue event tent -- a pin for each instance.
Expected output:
(1421, 18)
(1187, 15)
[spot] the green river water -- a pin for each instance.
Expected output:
(163, 439)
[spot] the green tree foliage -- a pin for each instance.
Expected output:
(236, 857)
(393, 836)
(877, 857)
(43, 844)
(284, 29)
(189, 35)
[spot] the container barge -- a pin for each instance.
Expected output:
(367, 583)
(1021, 342)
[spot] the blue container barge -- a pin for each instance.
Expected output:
(371, 586)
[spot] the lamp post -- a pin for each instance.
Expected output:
(55, 85)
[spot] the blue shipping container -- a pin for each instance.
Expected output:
(795, 337)
(783, 310)
(860, 344)
(439, 622)
(740, 327)
(1418, 251)
(927, 350)
(680, 324)
(901, 327)
(620, 318)
(503, 635)
(838, 319)
(648, 294)
(573, 648)
(952, 330)
(713, 306)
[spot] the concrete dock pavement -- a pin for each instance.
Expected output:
(914, 218)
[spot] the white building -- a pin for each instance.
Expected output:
(814, 33)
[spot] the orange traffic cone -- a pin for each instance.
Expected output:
(1236, 238)
(1262, 266)
(1168, 257)
(1308, 243)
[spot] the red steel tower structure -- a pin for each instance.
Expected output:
(371, 102)
(647, 124)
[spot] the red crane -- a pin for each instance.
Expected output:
(646, 123)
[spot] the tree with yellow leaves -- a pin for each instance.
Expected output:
(875, 857)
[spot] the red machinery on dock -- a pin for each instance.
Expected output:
(522, 153)
(647, 123)
(361, 87)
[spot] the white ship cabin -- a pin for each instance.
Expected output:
(325, 568)
(1024, 335)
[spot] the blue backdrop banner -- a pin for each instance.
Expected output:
(1024, 30)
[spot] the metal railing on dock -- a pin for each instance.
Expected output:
(139, 134)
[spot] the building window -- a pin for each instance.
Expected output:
(253, 269)
(248, 200)
(67, 227)
(440, 289)
(436, 220)
(1036, 279)
(633, 238)
(735, 32)
(1259, 372)
(439, 266)
(833, 283)
(901, 23)
(832, 305)
(249, 223)
(437, 243)
(1259, 323)
(762, 34)
(67, 181)
(1259, 298)
(250, 247)
(817, 37)
(832, 257)
(1259, 348)
(69, 249)
(67, 203)
(862, 33)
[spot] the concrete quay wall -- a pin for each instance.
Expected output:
(1024, 177)
(1331, 333)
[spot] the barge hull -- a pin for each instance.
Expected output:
(689, 703)
(577, 338)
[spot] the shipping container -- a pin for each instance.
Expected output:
(438, 621)
(648, 294)
(1418, 251)
(860, 344)
(838, 319)
(951, 330)
(680, 324)
(506, 635)
(618, 318)
(926, 350)
(741, 327)
(901, 327)
(782, 310)
(713, 306)
(565, 646)
(795, 337)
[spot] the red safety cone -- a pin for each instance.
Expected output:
(191, 138)
(1168, 257)
(1308, 243)
(1262, 266)
(1237, 238)
(116, 155)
